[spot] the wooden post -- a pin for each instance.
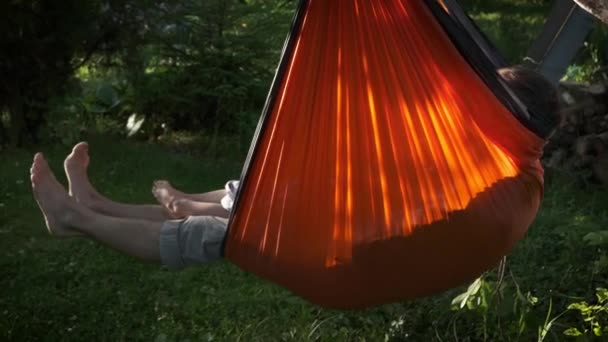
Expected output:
(599, 8)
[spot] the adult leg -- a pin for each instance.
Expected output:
(175, 243)
(65, 217)
(76, 165)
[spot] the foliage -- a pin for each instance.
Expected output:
(201, 64)
(590, 64)
(43, 43)
(594, 316)
(72, 118)
(593, 313)
(206, 62)
(193, 65)
(189, 64)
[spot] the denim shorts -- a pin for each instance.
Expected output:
(192, 241)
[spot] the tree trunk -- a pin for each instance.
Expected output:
(3, 135)
(599, 8)
(213, 148)
(17, 121)
(34, 120)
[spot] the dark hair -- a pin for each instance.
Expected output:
(539, 95)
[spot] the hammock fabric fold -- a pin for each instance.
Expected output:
(390, 161)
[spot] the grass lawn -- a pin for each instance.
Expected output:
(511, 24)
(53, 289)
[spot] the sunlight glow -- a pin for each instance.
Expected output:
(375, 132)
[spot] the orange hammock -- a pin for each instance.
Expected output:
(384, 167)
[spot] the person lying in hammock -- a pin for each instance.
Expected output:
(136, 230)
(152, 233)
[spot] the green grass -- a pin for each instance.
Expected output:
(511, 24)
(53, 289)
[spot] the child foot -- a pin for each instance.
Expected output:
(165, 194)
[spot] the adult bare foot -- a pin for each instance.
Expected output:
(76, 165)
(166, 194)
(58, 208)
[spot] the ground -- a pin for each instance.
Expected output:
(78, 290)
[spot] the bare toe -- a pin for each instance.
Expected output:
(161, 183)
(79, 158)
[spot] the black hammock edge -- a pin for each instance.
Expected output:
(485, 59)
(286, 55)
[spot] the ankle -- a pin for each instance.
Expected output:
(72, 215)
(179, 207)
(91, 202)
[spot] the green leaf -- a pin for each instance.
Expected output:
(602, 295)
(573, 332)
(597, 329)
(463, 299)
(474, 287)
(107, 95)
(96, 109)
(458, 300)
(581, 306)
(161, 338)
(600, 265)
(134, 124)
(597, 238)
(532, 300)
